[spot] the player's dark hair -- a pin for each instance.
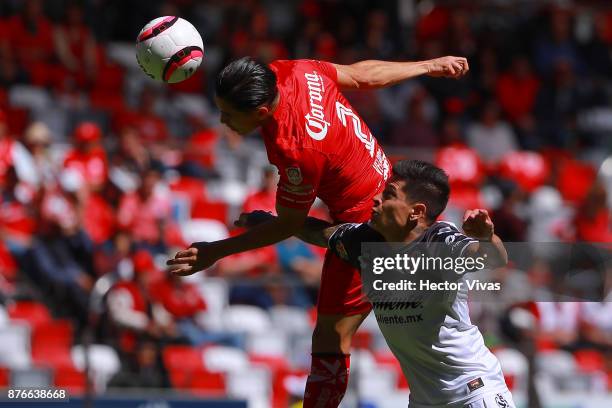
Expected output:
(425, 183)
(246, 83)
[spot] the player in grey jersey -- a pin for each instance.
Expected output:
(441, 352)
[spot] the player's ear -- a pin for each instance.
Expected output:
(263, 111)
(418, 210)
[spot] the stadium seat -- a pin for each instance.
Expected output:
(205, 383)
(272, 343)
(70, 379)
(589, 361)
(214, 210)
(249, 383)
(376, 384)
(246, 319)
(33, 313)
(4, 317)
(215, 291)
(110, 102)
(190, 187)
(4, 377)
(51, 344)
(15, 349)
(103, 362)
(181, 361)
(203, 230)
(225, 359)
(514, 366)
(29, 97)
(293, 320)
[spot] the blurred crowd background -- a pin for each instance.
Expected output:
(104, 173)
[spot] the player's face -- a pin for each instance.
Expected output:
(391, 211)
(239, 121)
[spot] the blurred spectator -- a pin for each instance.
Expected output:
(13, 153)
(508, 225)
(37, 140)
(150, 126)
(265, 198)
(146, 214)
(62, 253)
(75, 46)
(490, 136)
(132, 312)
(30, 39)
(416, 129)
(88, 157)
(240, 159)
(517, 89)
(146, 371)
(184, 304)
(17, 215)
(592, 221)
(557, 43)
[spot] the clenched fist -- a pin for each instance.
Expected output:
(477, 224)
(448, 67)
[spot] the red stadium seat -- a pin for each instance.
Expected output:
(590, 361)
(194, 84)
(203, 382)
(181, 362)
(34, 313)
(110, 77)
(57, 333)
(214, 210)
(4, 377)
(70, 379)
(362, 339)
(529, 170)
(51, 344)
(575, 179)
(190, 187)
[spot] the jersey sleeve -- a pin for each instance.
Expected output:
(346, 241)
(325, 68)
(449, 241)
(300, 178)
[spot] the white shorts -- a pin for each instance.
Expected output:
(493, 400)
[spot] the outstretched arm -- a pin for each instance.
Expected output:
(314, 231)
(373, 74)
(202, 255)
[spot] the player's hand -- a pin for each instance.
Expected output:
(193, 259)
(448, 67)
(252, 219)
(477, 224)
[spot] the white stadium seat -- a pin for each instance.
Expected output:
(103, 363)
(224, 359)
(246, 319)
(15, 346)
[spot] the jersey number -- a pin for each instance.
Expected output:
(381, 165)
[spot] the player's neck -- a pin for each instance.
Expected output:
(404, 235)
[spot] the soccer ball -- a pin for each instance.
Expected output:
(169, 49)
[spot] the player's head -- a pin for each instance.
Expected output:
(416, 192)
(245, 93)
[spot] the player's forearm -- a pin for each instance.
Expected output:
(316, 232)
(494, 252)
(373, 74)
(267, 233)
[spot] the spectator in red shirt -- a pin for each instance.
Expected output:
(75, 45)
(517, 90)
(183, 301)
(88, 157)
(593, 220)
(30, 36)
(146, 214)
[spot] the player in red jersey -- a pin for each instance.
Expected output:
(322, 148)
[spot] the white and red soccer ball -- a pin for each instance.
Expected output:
(169, 49)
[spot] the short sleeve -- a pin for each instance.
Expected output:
(346, 241)
(300, 178)
(448, 239)
(325, 68)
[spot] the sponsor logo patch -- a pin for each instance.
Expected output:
(475, 384)
(294, 175)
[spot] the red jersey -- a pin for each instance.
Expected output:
(320, 145)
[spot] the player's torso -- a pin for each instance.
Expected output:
(313, 114)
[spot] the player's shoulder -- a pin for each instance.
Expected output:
(440, 229)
